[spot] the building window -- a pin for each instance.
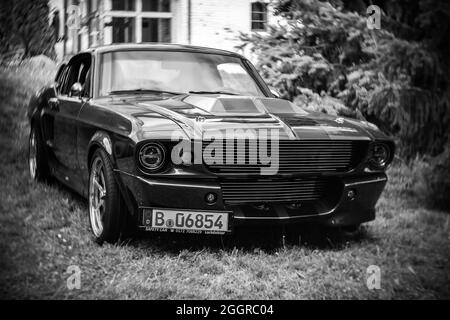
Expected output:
(123, 30)
(259, 16)
(137, 21)
(155, 30)
(156, 5)
(123, 5)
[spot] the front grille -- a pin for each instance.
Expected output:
(295, 156)
(257, 191)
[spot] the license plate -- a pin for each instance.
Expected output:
(189, 221)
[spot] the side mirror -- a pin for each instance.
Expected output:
(76, 90)
(275, 92)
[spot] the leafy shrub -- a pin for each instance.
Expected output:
(25, 28)
(321, 53)
(431, 181)
(17, 85)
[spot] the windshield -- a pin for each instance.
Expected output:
(174, 72)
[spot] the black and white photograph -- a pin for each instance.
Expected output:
(236, 151)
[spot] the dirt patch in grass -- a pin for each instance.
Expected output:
(44, 230)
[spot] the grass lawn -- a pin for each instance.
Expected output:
(44, 230)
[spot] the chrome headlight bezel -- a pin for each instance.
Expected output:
(148, 151)
(380, 156)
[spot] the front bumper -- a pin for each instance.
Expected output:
(190, 195)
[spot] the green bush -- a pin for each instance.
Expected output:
(431, 181)
(25, 28)
(321, 54)
(17, 85)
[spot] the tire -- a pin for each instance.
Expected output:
(107, 211)
(37, 160)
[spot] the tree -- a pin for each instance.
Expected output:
(25, 24)
(322, 54)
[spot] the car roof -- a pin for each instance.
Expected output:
(158, 47)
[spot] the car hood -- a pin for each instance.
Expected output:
(199, 114)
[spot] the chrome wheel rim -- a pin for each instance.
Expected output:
(97, 194)
(32, 160)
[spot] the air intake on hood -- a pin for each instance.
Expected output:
(299, 121)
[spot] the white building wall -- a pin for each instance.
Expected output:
(180, 21)
(217, 23)
(213, 23)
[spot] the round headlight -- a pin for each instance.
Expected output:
(380, 155)
(151, 156)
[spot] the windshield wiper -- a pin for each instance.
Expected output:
(214, 92)
(140, 90)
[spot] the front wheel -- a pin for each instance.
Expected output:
(37, 162)
(107, 213)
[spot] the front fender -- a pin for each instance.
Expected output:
(102, 139)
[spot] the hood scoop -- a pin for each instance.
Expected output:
(225, 106)
(299, 121)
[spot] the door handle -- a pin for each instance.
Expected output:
(54, 104)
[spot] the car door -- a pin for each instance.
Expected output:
(50, 109)
(66, 113)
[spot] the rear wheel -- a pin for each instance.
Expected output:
(37, 162)
(107, 212)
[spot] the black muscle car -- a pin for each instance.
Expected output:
(186, 139)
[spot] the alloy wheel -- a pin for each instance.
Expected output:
(97, 194)
(32, 154)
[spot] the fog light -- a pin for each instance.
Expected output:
(211, 197)
(262, 206)
(294, 205)
(351, 194)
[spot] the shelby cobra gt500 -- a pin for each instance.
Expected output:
(187, 139)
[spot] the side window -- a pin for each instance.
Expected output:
(59, 74)
(84, 76)
(71, 77)
(77, 71)
(87, 84)
(60, 78)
